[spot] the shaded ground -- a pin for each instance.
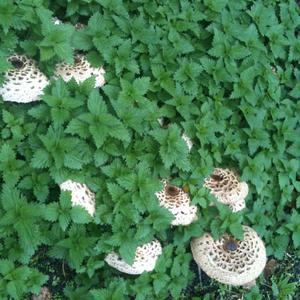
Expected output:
(281, 281)
(58, 272)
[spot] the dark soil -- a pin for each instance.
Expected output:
(202, 287)
(58, 271)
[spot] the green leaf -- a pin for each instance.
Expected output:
(96, 104)
(41, 159)
(237, 230)
(141, 85)
(79, 215)
(127, 251)
(7, 10)
(51, 212)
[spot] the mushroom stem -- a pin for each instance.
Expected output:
(249, 285)
(200, 273)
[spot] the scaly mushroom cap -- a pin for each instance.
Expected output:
(80, 70)
(144, 261)
(178, 203)
(24, 82)
(230, 261)
(225, 186)
(81, 195)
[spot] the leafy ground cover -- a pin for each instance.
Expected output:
(224, 72)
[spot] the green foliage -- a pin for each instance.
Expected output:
(15, 281)
(64, 213)
(226, 73)
(282, 288)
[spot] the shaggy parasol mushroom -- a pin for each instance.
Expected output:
(144, 260)
(24, 82)
(178, 203)
(230, 261)
(81, 195)
(80, 70)
(225, 186)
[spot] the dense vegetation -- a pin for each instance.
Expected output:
(225, 72)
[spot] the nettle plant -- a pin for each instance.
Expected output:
(222, 73)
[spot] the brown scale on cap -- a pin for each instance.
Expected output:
(17, 63)
(172, 190)
(230, 244)
(216, 177)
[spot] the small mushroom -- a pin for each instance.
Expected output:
(164, 123)
(144, 261)
(44, 294)
(225, 186)
(80, 71)
(81, 195)
(24, 82)
(178, 203)
(230, 261)
(56, 21)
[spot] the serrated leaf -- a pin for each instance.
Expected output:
(79, 215)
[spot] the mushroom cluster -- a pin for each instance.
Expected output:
(230, 261)
(227, 260)
(24, 82)
(144, 260)
(81, 195)
(225, 186)
(178, 203)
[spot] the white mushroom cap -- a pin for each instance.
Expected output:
(178, 203)
(144, 261)
(81, 195)
(80, 70)
(225, 186)
(230, 261)
(24, 82)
